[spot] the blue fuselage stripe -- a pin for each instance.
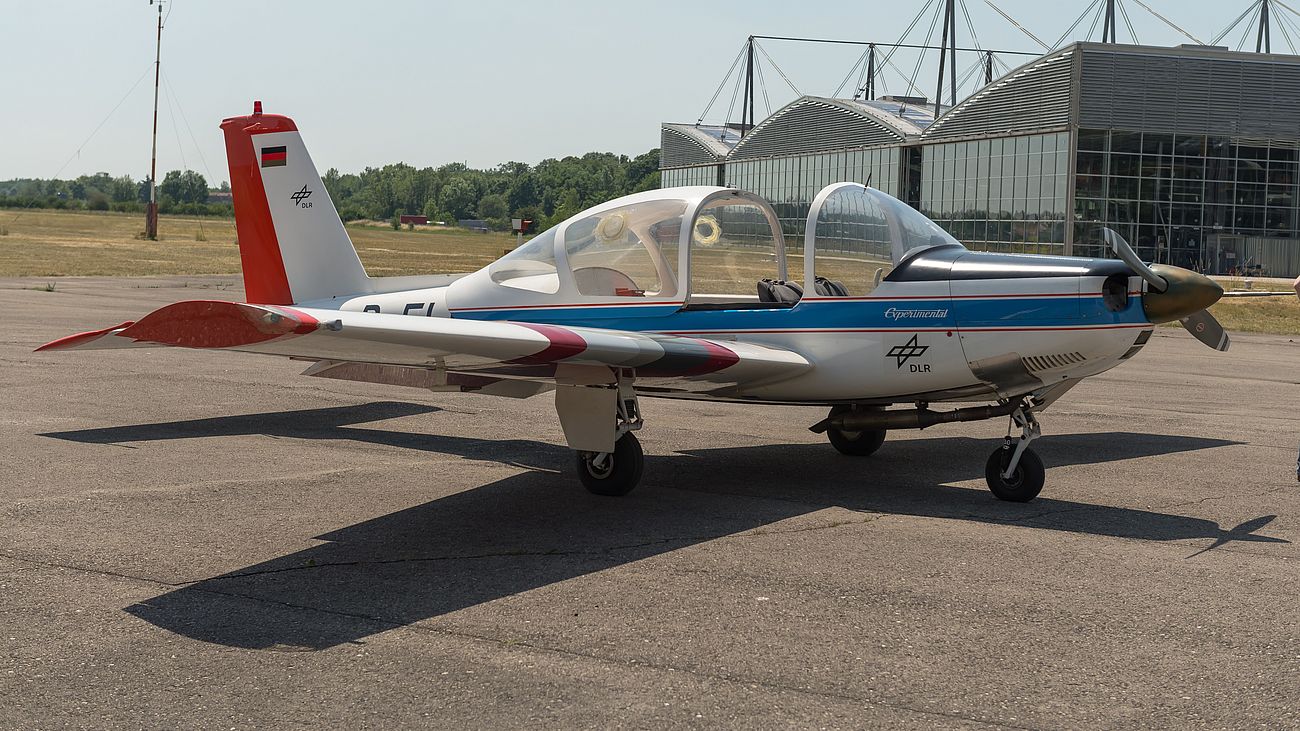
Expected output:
(909, 314)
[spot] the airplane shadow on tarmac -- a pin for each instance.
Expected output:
(538, 528)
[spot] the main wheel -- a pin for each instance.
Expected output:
(618, 473)
(854, 443)
(1025, 482)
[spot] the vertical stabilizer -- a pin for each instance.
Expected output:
(292, 244)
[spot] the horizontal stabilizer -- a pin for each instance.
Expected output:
(94, 340)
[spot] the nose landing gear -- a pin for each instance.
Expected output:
(1015, 472)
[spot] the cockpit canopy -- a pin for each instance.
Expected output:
(866, 219)
(855, 235)
(710, 247)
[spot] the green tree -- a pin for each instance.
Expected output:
(642, 167)
(122, 189)
(649, 182)
(493, 205)
(184, 187)
(457, 198)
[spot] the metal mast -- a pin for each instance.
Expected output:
(871, 72)
(947, 43)
(747, 106)
(1108, 25)
(1262, 42)
(151, 209)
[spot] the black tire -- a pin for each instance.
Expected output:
(1024, 484)
(622, 468)
(854, 443)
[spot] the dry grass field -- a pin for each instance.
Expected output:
(45, 243)
(1278, 315)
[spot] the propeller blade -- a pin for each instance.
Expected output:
(1206, 329)
(1130, 257)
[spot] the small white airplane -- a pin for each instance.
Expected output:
(685, 293)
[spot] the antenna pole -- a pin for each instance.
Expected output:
(988, 68)
(1108, 26)
(151, 209)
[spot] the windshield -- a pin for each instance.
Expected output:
(629, 251)
(910, 231)
(530, 267)
(879, 224)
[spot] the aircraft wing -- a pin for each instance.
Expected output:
(496, 348)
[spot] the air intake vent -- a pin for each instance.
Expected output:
(1038, 363)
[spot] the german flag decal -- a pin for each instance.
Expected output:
(273, 157)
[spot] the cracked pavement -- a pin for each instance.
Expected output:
(199, 539)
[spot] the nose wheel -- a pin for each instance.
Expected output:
(1015, 472)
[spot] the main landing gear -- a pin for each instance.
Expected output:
(612, 473)
(585, 414)
(1015, 472)
(853, 443)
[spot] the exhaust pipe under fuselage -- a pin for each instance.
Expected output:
(921, 418)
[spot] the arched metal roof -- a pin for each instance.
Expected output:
(1033, 96)
(817, 124)
(695, 144)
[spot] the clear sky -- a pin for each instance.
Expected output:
(427, 83)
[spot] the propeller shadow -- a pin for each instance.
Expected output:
(452, 553)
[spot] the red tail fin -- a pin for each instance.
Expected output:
(265, 280)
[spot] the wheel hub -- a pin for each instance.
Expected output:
(599, 468)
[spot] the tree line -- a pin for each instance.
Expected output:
(547, 192)
(181, 191)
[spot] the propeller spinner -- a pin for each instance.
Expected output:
(1174, 293)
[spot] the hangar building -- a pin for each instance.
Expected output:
(1190, 152)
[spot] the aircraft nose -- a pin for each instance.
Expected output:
(1187, 293)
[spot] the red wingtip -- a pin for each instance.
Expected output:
(72, 341)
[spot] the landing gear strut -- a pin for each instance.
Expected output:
(615, 473)
(1014, 472)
